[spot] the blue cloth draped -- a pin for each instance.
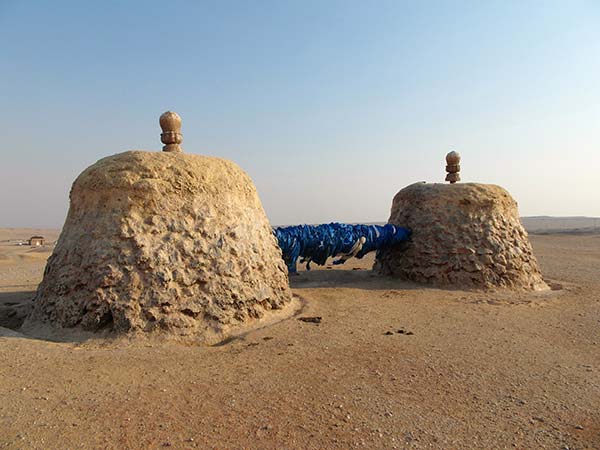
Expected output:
(316, 243)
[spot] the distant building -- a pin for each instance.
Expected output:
(36, 241)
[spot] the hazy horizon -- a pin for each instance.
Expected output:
(330, 107)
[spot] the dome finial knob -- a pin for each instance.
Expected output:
(453, 167)
(171, 136)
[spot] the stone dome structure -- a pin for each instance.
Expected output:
(464, 235)
(164, 241)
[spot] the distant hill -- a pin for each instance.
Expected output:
(533, 225)
(551, 225)
(571, 225)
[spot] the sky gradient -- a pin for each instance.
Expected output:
(330, 106)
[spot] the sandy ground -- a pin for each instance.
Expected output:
(392, 365)
(554, 225)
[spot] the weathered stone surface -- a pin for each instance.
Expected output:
(163, 241)
(466, 235)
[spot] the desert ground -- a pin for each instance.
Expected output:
(391, 365)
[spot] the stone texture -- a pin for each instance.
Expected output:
(464, 235)
(163, 241)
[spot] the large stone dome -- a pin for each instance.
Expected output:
(164, 241)
(465, 235)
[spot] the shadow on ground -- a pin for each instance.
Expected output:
(14, 307)
(349, 278)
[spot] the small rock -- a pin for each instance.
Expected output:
(310, 319)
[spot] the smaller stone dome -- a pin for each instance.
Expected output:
(464, 235)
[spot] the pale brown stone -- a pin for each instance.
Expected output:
(453, 167)
(164, 241)
(171, 136)
(474, 227)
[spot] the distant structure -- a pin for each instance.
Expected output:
(165, 242)
(453, 167)
(36, 241)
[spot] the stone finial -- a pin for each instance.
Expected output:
(453, 167)
(170, 122)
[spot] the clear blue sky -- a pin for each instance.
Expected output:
(330, 106)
